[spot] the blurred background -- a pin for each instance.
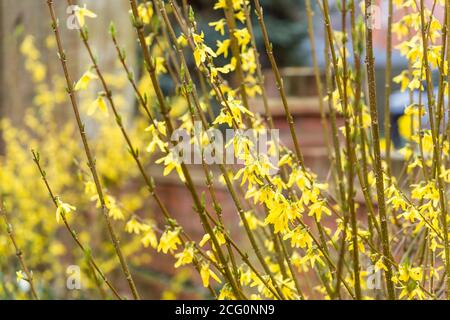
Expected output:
(24, 90)
(286, 20)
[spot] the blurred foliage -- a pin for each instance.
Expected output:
(48, 248)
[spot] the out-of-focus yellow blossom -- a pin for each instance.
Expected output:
(134, 226)
(171, 162)
(243, 36)
(149, 239)
(145, 11)
(98, 104)
(182, 41)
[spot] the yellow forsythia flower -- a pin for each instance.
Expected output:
(150, 239)
(20, 276)
(134, 226)
(204, 240)
(81, 13)
(83, 83)
(145, 12)
(219, 26)
(185, 257)
(170, 163)
(63, 208)
(100, 104)
(206, 273)
(169, 240)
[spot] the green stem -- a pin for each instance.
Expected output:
(370, 64)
